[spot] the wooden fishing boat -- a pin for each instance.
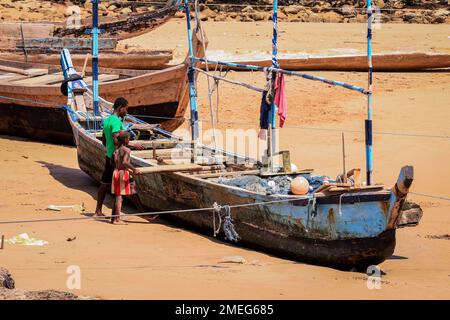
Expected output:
(333, 225)
(129, 59)
(381, 62)
(46, 49)
(31, 99)
(127, 25)
(121, 27)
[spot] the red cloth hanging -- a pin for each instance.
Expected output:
(280, 98)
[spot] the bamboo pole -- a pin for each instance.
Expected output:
(368, 122)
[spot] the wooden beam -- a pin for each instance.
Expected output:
(30, 29)
(45, 79)
(158, 144)
(170, 168)
(29, 72)
(68, 43)
(102, 78)
(227, 174)
(304, 171)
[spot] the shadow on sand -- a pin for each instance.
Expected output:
(78, 180)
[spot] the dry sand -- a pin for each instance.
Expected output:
(160, 261)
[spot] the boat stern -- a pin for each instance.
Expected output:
(401, 212)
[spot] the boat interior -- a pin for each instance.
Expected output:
(37, 74)
(165, 152)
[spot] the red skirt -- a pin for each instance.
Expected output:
(122, 183)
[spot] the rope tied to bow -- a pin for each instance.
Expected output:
(224, 214)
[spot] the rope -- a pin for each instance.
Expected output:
(228, 227)
(216, 210)
(29, 101)
(311, 210)
(289, 73)
(431, 196)
(218, 78)
(148, 213)
(406, 134)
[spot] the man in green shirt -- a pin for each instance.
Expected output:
(111, 127)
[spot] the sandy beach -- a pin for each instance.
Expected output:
(161, 261)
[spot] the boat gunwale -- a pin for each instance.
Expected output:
(383, 194)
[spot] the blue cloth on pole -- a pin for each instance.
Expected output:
(264, 116)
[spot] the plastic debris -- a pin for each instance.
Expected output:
(77, 207)
(233, 259)
(24, 239)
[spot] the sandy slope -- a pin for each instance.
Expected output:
(160, 261)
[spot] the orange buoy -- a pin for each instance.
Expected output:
(299, 186)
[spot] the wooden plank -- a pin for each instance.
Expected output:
(29, 72)
(304, 171)
(170, 168)
(226, 174)
(79, 102)
(45, 79)
(13, 77)
(55, 68)
(68, 43)
(158, 144)
(353, 189)
(102, 78)
(30, 29)
(381, 62)
(357, 177)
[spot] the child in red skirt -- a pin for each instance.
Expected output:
(122, 181)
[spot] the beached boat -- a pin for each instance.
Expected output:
(114, 55)
(130, 59)
(31, 99)
(122, 27)
(381, 62)
(340, 223)
(334, 224)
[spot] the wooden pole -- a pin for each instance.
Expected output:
(368, 122)
(344, 175)
(192, 89)
(272, 126)
(2, 244)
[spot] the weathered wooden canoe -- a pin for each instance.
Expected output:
(351, 228)
(135, 59)
(381, 62)
(127, 25)
(122, 27)
(31, 99)
(46, 49)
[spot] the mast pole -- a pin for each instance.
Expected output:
(271, 139)
(95, 33)
(368, 122)
(192, 89)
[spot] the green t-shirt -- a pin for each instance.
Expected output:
(111, 125)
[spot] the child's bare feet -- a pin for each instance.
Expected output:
(99, 214)
(119, 222)
(150, 218)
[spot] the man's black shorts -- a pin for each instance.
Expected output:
(108, 171)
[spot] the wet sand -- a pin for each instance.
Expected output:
(162, 261)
